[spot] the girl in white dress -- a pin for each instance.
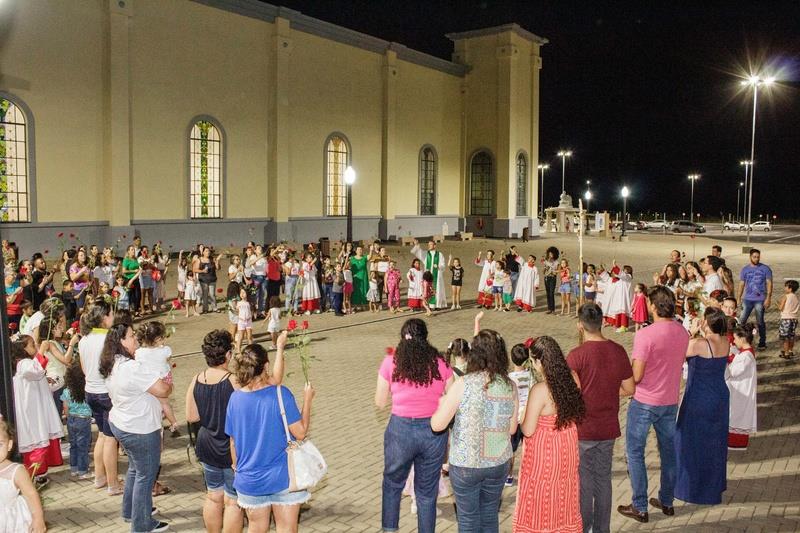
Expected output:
(274, 317)
(191, 293)
(155, 355)
(742, 384)
(20, 506)
(485, 296)
(38, 421)
(415, 291)
(311, 294)
(373, 295)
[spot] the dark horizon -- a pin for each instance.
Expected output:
(642, 93)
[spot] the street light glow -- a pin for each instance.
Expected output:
(625, 192)
(694, 176)
(543, 167)
(564, 153)
(588, 195)
(349, 176)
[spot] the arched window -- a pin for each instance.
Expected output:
(481, 184)
(205, 167)
(522, 185)
(14, 165)
(337, 157)
(427, 181)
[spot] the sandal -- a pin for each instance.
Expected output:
(160, 490)
(100, 482)
(115, 491)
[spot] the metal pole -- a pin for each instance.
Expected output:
(624, 214)
(691, 204)
(349, 213)
(746, 178)
(6, 364)
(542, 198)
(752, 162)
(582, 219)
(563, 172)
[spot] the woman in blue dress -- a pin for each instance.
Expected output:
(701, 442)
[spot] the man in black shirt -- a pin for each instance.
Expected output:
(41, 282)
(513, 266)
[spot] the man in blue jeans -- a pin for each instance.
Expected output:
(659, 351)
(756, 287)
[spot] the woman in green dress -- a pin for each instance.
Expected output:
(358, 266)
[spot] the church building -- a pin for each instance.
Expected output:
(223, 121)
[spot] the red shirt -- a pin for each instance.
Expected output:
(273, 269)
(601, 367)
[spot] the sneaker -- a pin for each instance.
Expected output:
(161, 526)
(153, 512)
(86, 476)
(509, 481)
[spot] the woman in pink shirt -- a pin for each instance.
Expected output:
(415, 376)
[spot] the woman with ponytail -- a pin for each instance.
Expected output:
(547, 499)
(258, 440)
(413, 376)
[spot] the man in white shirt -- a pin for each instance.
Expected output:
(709, 265)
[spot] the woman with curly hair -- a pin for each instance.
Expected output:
(414, 376)
(547, 499)
(485, 407)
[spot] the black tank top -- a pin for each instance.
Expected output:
(213, 445)
(210, 275)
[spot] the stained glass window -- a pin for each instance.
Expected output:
(14, 201)
(337, 157)
(481, 185)
(522, 185)
(205, 166)
(427, 181)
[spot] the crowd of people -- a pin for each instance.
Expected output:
(95, 353)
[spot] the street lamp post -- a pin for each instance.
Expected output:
(564, 154)
(755, 82)
(542, 168)
(349, 179)
(625, 193)
(588, 196)
(738, 190)
(692, 178)
(746, 164)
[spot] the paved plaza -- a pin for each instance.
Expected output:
(763, 483)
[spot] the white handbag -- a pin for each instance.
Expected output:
(306, 464)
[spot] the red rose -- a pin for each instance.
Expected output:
(124, 236)
(47, 252)
(292, 325)
(489, 282)
(60, 235)
(12, 326)
(219, 291)
(114, 294)
(75, 325)
(174, 365)
(176, 304)
(71, 235)
(304, 325)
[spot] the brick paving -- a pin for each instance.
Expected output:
(763, 483)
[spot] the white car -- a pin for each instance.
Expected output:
(761, 225)
(735, 226)
(656, 224)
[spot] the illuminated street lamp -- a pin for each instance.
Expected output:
(625, 193)
(564, 154)
(755, 82)
(349, 180)
(542, 168)
(738, 190)
(692, 178)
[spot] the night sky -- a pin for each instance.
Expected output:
(644, 92)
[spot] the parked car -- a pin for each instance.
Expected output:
(629, 225)
(734, 226)
(686, 226)
(657, 224)
(761, 225)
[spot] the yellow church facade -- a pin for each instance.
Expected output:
(230, 120)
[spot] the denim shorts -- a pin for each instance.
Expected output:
(565, 288)
(497, 289)
(100, 405)
(283, 497)
(219, 479)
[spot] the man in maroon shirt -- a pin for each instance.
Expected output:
(603, 372)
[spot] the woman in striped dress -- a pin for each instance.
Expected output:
(547, 499)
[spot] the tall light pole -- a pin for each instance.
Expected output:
(738, 190)
(542, 167)
(588, 196)
(349, 180)
(692, 178)
(564, 154)
(625, 193)
(746, 164)
(755, 82)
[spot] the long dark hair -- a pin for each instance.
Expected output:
(415, 360)
(75, 381)
(488, 354)
(112, 348)
(566, 395)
